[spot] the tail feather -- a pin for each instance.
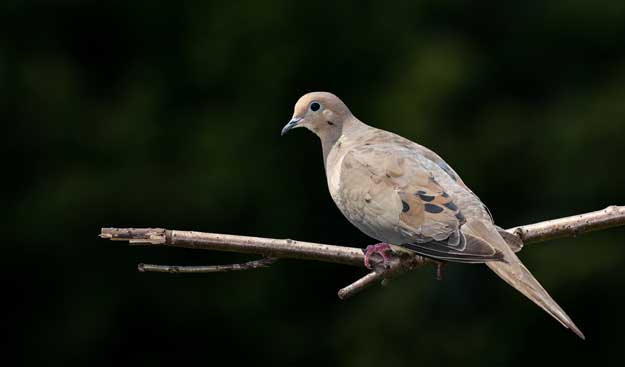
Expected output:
(513, 272)
(517, 275)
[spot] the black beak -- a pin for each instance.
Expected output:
(290, 125)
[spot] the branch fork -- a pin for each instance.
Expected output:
(400, 261)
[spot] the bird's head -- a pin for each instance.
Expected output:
(320, 112)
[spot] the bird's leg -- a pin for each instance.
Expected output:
(439, 270)
(382, 249)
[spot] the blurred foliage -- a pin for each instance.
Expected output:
(168, 114)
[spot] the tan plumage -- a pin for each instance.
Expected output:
(402, 193)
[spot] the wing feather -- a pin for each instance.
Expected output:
(401, 196)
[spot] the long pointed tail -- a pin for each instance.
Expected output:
(517, 275)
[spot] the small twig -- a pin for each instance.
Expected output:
(361, 284)
(255, 264)
(401, 261)
(275, 248)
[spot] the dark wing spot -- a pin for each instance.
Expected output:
(444, 194)
(460, 217)
(451, 206)
(330, 123)
(424, 196)
(434, 209)
(405, 207)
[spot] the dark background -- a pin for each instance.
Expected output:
(168, 114)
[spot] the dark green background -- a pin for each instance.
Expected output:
(168, 114)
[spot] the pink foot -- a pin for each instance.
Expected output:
(381, 249)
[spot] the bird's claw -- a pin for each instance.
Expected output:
(382, 249)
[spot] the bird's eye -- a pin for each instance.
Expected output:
(315, 106)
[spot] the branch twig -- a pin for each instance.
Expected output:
(255, 264)
(400, 262)
(272, 249)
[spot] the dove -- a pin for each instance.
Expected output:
(403, 194)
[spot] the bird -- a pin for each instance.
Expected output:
(404, 194)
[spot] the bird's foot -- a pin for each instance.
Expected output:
(379, 249)
(439, 270)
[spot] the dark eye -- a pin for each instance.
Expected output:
(315, 106)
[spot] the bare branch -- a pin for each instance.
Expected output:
(255, 264)
(267, 247)
(272, 249)
(400, 262)
(361, 284)
(612, 216)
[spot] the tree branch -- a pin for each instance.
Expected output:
(612, 216)
(402, 261)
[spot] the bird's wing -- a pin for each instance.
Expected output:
(392, 196)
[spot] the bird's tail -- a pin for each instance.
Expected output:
(517, 275)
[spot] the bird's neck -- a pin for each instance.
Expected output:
(335, 140)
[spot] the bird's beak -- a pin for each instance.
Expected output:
(293, 123)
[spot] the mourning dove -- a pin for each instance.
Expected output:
(404, 194)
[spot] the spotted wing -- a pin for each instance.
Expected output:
(431, 209)
(404, 203)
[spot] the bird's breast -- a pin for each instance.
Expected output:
(333, 163)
